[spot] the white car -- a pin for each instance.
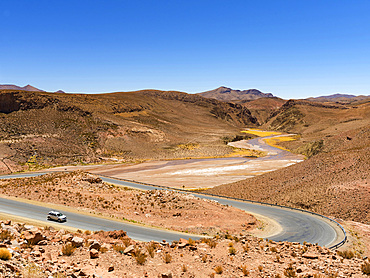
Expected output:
(56, 216)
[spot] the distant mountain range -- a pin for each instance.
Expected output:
(227, 94)
(28, 88)
(338, 98)
(15, 87)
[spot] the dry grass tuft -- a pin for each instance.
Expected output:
(68, 249)
(219, 269)
(5, 254)
(365, 268)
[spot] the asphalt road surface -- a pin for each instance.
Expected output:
(86, 222)
(296, 226)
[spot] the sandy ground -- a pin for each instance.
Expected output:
(199, 173)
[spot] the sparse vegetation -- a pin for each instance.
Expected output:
(32, 271)
(219, 269)
(347, 254)
(290, 271)
(245, 271)
(6, 235)
(167, 258)
(68, 249)
(232, 251)
(139, 256)
(5, 254)
(365, 268)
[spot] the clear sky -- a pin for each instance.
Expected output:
(294, 49)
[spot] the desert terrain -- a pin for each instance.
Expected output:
(189, 142)
(27, 251)
(156, 208)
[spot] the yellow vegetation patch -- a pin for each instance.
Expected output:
(188, 146)
(245, 152)
(132, 114)
(274, 141)
(261, 133)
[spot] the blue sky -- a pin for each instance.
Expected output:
(294, 49)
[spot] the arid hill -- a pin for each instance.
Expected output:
(340, 98)
(228, 94)
(263, 108)
(334, 181)
(39, 128)
(15, 87)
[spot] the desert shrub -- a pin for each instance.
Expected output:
(103, 249)
(191, 241)
(6, 235)
(290, 271)
(311, 148)
(219, 269)
(228, 236)
(184, 268)
(246, 247)
(139, 256)
(126, 241)
(245, 271)
(231, 244)
(273, 249)
(119, 248)
(5, 254)
(365, 268)
(347, 254)
(260, 268)
(167, 258)
(68, 249)
(151, 248)
(87, 232)
(32, 271)
(232, 251)
(204, 258)
(211, 242)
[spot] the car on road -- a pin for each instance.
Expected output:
(56, 216)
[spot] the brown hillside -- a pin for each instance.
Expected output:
(335, 182)
(316, 120)
(228, 94)
(263, 108)
(39, 128)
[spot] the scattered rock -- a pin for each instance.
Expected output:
(77, 241)
(94, 254)
(166, 275)
(129, 249)
(310, 256)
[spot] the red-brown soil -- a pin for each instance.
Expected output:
(40, 252)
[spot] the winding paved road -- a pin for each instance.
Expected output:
(296, 226)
